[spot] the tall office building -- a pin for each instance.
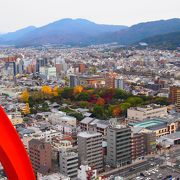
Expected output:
(119, 146)
(178, 101)
(40, 156)
(90, 149)
(74, 80)
(173, 93)
(119, 83)
(138, 146)
(69, 164)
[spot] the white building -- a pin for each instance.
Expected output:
(60, 118)
(150, 111)
(47, 135)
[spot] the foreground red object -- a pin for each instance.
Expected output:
(13, 155)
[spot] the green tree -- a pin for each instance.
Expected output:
(98, 111)
(83, 96)
(67, 93)
(120, 94)
(134, 101)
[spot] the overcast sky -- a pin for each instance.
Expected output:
(15, 14)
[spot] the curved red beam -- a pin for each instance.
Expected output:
(13, 155)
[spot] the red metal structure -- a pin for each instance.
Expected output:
(13, 155)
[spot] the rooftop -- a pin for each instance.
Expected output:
(87, 134)
(149, 124)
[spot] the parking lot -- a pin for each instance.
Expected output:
(160, 173)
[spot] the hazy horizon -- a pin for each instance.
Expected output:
(18, 14)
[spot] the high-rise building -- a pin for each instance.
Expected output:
(74, 81)
(138, 146)
(119, 83)
(110, 80)
(69, 164)
(81, 68)
(119, 146)
(90, 149)
(150, 142)
(178, 100)
(40, 155)
(173, 93)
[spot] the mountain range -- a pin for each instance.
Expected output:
(81, 32)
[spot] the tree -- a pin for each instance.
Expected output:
(78, 89)
(26, 110)
(100, 101)
(116, 111)
(46, 90)
(25, 96)
(125, 106)
(67, 93)
(134, 101)
(83, 96)
(161, 101)
(45, 106)
(56, 91)
(98, 111)
(120, 94)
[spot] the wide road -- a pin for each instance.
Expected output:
(133, 168)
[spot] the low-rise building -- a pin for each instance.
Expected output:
(140, 113)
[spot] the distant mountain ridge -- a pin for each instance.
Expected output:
(141, 31)
(83, 32)
(65, 31)
(167, 41)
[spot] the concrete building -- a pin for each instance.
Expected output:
(119, 83)
(92, 81)
(96, 125)
(74, 80)
(159, 126)
(90, 149)
(173, 93)
(178, 101)
(149, 141)
(140, 113)
(138, 146)
(119, 146)
(69, 164)
(54, 176)
(40, 156)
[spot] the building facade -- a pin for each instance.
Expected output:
(40, 156)
(119, 146)
(90, 149)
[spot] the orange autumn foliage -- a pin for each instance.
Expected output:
(100, 101)
(116, 111)
(78, 89)
(46, 90)
(56, 91)
(25, 96)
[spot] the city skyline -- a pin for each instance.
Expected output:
(18, 14)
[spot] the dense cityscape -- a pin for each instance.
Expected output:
(94, 112)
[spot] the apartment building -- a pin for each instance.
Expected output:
(140, 113)
(119, 146)
(40, 156)
(69, 164)
(90, 149)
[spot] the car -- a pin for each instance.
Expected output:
(131, 169)
(159, 176)
(142, 174)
